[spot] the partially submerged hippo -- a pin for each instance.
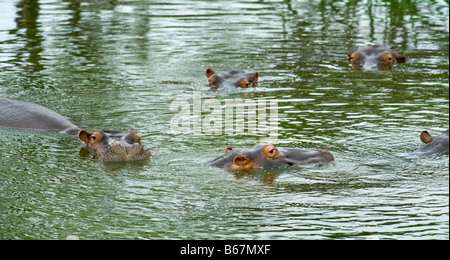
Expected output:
(106, 145)
(375, 54)
(268, 156)
(236, 78)
(114, 146)
(434, 145)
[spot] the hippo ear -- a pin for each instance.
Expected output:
(84, 135)
(400, 59)
(350, 57)
(353, 57)
(425, 137)
(209, 72)
(228, 149)
(135, 138)
(254, 79)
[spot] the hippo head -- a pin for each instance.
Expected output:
(114, 146)
(375, 54)
(236, 78)
(434, 145)
(384, 58)
(268, 156)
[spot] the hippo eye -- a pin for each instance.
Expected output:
(270, 151)
(212, 80)
(243, 83)
(96, 137)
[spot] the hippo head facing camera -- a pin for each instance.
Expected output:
(235, 78)
(114, 146)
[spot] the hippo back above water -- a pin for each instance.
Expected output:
(27, 115)
(268, 156)
(107, 146)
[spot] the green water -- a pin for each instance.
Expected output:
(120, 65)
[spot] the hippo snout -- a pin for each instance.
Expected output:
(325, 156)
(119, 153)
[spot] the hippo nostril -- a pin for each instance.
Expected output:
(240, 160)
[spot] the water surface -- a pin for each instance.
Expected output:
(120, 64)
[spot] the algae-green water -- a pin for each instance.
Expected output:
(122, 64)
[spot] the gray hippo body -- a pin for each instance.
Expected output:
(27, 115)
(434, 145)
(268, 156)
(106, 145)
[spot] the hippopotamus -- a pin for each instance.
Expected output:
(434, 145)
(375, 54)
(268, 156)
(106, 145)
(236, 78)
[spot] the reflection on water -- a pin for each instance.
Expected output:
(120, 64)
